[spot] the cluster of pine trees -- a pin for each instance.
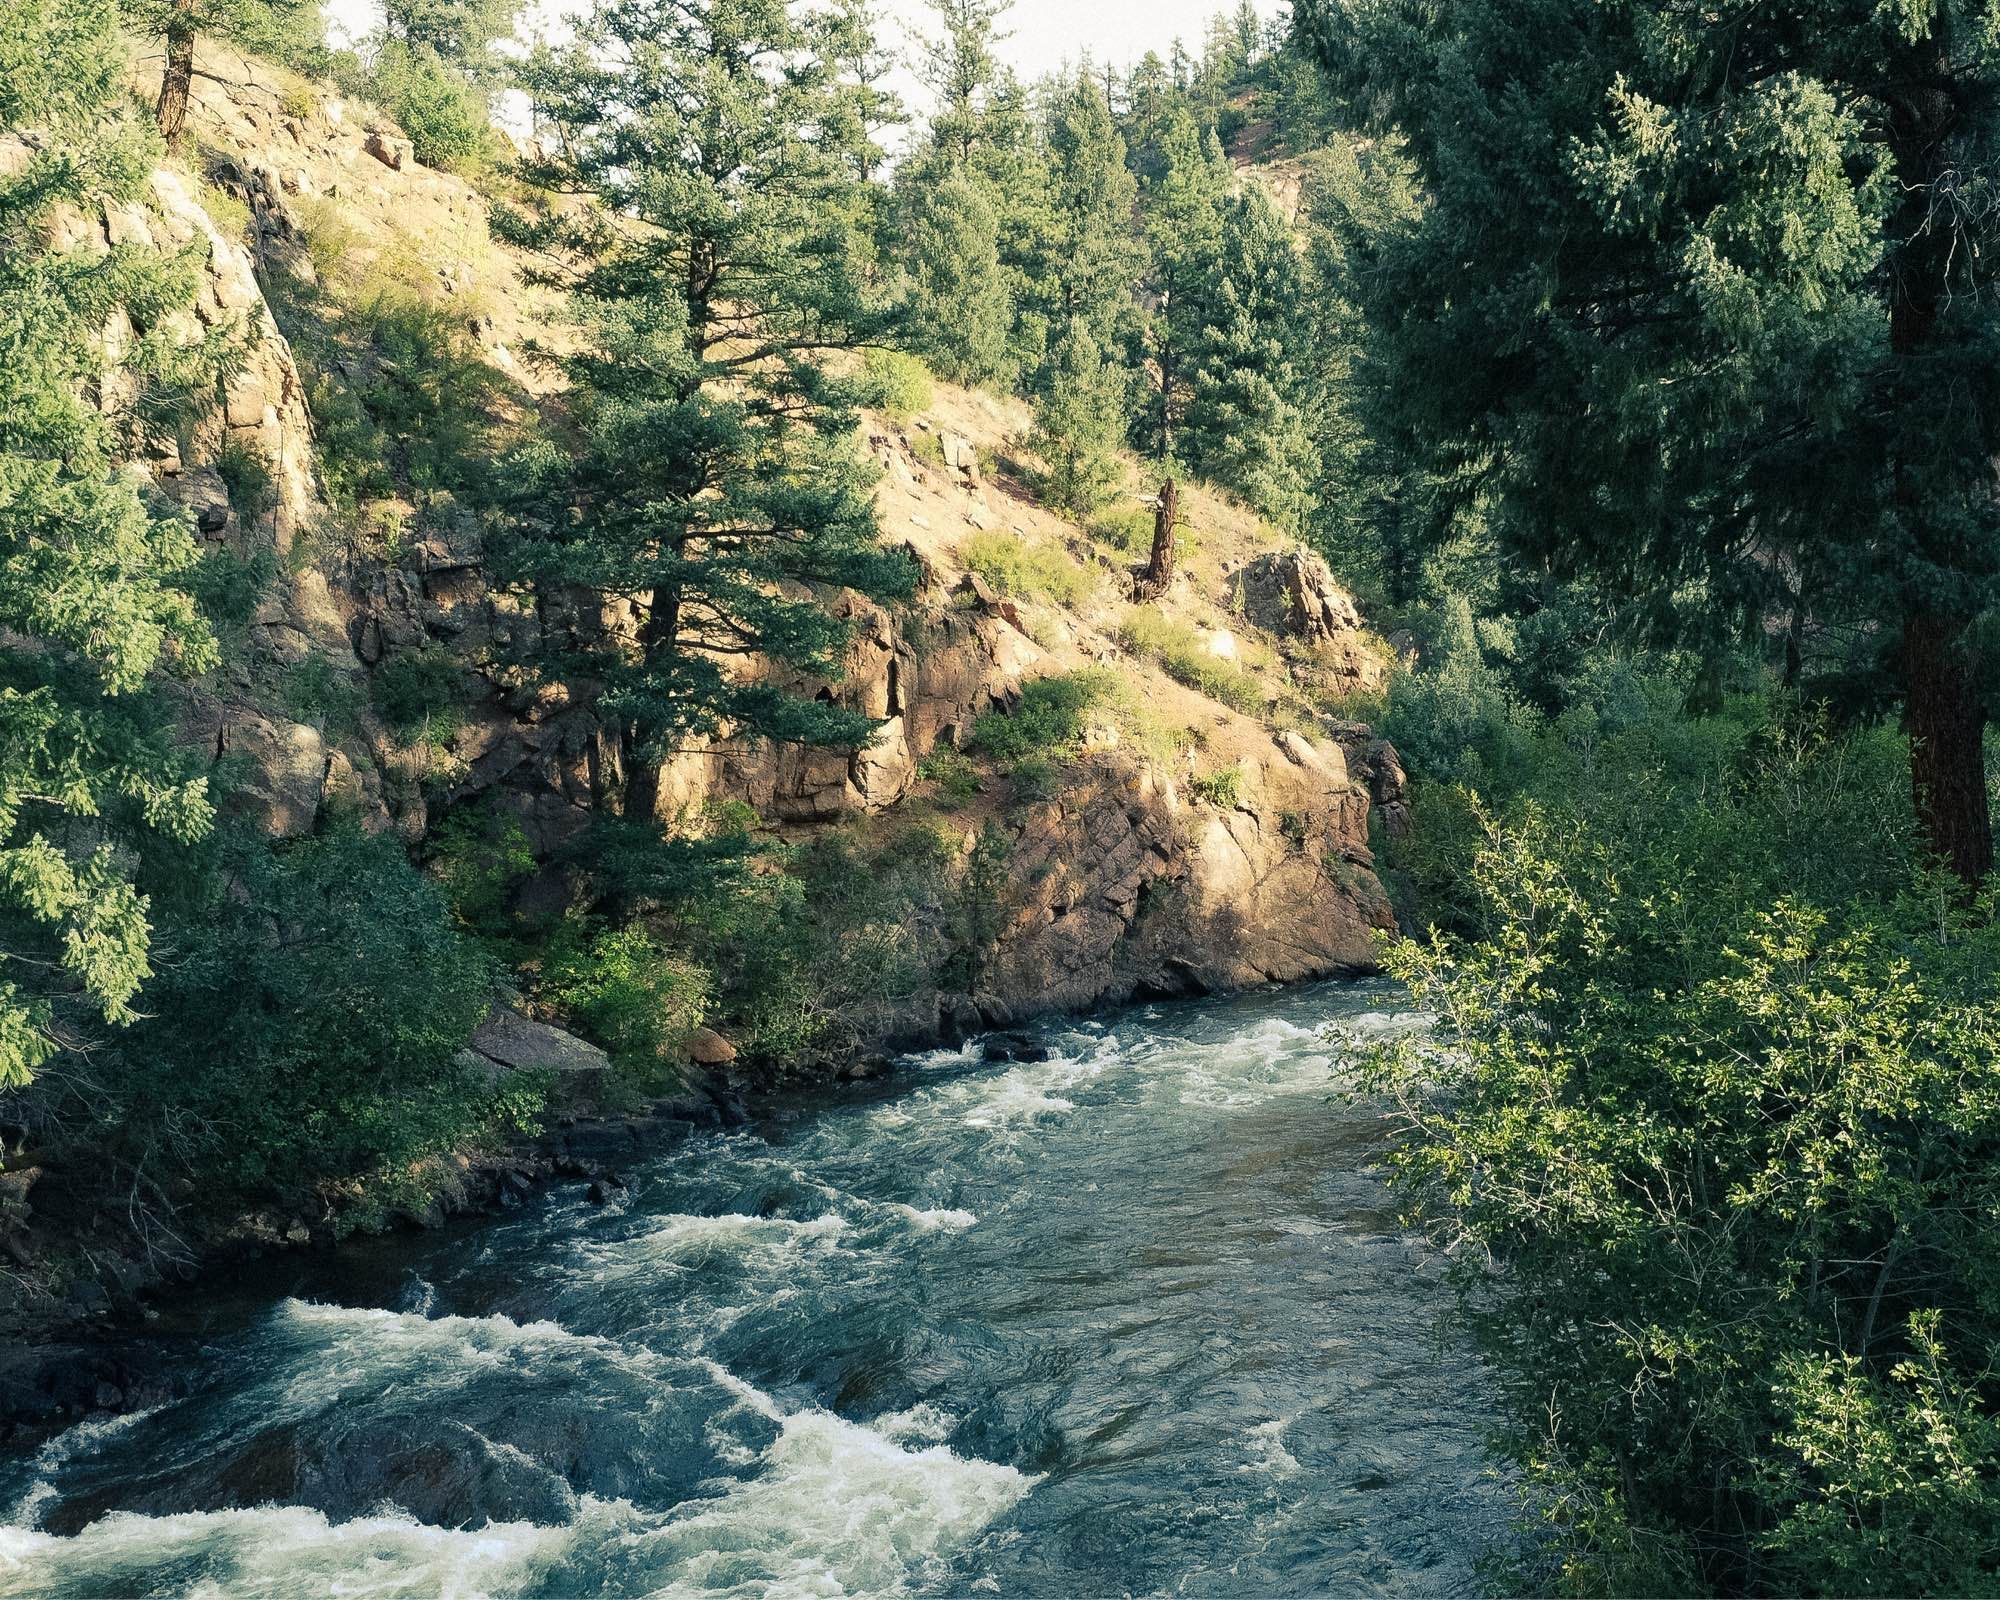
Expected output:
(1087, 242)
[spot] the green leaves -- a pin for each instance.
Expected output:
(92, 603)
(1718, 1088)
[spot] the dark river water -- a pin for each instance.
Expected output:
(1134, 1320)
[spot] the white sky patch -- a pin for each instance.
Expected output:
(1044, 35)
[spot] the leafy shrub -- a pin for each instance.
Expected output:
(246, 474)
(1130, 532)
(1179, 649)
(898, 384)
(443, 114)
(229, 214)
(1050, 719)
(957, 779)
(1032, 571)
(1221, 788)
(305, 1022)
(420, 695)
(630, 993)
(1703, 1084)
(318, 692)
(481, 857)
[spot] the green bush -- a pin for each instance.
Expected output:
(1180, 651)
(1221, 788)
(421, 695)
(1032, 571)
(956, 778)
(481, 857)
(630, 993)
(444, 115)
(898, 384)
(1713, 1082)
(304, 1024)
(1049, 721)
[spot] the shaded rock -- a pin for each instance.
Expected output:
(507, 1042)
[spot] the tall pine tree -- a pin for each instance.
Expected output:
(715, 283)
(89, 603)
(1727, 321)
(1245, 425)
(1183, 220)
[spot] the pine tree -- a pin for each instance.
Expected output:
(961, 70)
(713, 281)
(1183, 219)
(1079, 414)
(460, 33)
(1150, 104)
(1245, 424)
(89, 607)
(1727, 321)
(1086, 255)
(959, 312)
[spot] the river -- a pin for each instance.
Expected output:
(1136, 1319)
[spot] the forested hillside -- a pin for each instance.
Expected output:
(735, 578)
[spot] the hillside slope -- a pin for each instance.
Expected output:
(1210, 828)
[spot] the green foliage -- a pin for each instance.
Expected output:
(331, 972)
(1245, 426)
(1455, 718)
(1221, 788)
(959, 306)
(481, 857)
(631, 994)
(1183, 220)
(92, 596)
(420, 694)
(715, 473)
(1180, 650)
(1079, 423)
(1049, 721)
(444, 115)
(460, 34)
(247, 476)
(897, 384)
(956, 778)
(1033, 571)
(1697, 356)
(1706, 1082)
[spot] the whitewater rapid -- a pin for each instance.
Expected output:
(1134, 1319)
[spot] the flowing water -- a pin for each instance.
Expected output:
(1136, 1319)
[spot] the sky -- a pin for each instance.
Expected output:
(1044, 34)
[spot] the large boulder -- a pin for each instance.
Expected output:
(507, 1043)
(1294, 592)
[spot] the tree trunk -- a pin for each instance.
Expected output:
(1153, 578)
(178, 77)
(1947, 728)
(1941, 706)
(645, 765)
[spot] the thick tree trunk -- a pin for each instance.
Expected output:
(1153, 579)
(178, 77)
(1947, 728)
(1941, 706)
(645, 765)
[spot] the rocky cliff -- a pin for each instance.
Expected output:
(1234, 850)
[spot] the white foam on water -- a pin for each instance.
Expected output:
(56, 1453)
(1016, 1103)
(273, 1551)
(1268, 1454)
(940, 1220)
(736, 1233)
(834, 1508)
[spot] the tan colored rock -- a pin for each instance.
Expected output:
(707, 1048)
(392, 150)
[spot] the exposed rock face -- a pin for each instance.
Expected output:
(1295, 592)
(1122, 886)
